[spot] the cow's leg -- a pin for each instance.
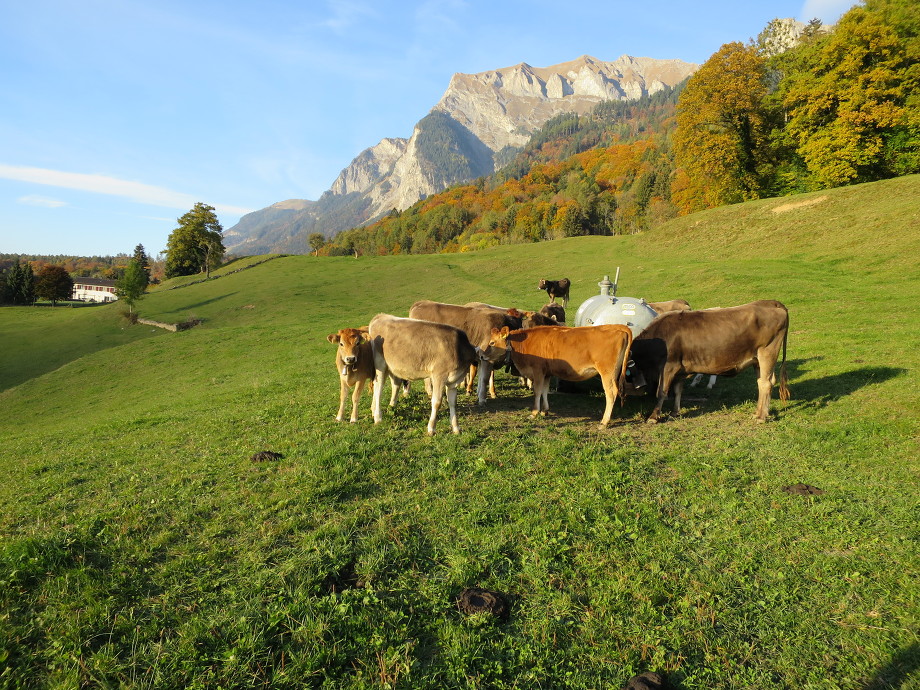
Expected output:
(696, 380)
(437, 392)
(355, 397)
(471, 377)
(343, 394)
(537, 394)
(678, 390)
(395, 385)
(485, 371)
(378, 391)
(610, 392)
(712, 381)
(452, 406)
(664, 383)
(492, 385)
(765, 382)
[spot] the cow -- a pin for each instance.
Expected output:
(554, 311)
(412, 349)
(515, 320)
(556, 288)
(573, 354)
(670, 305)
(722, 342)
(477, 323)
(681, 305)
(354, 361)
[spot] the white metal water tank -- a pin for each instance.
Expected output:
(607, 308)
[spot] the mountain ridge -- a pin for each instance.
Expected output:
(478, 119)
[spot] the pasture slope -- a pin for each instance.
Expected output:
(141, 547)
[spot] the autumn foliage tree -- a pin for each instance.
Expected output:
(53, 283)
(847, 105)
(722, 129)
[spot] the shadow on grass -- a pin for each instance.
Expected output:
(827, 389)
(903, 667)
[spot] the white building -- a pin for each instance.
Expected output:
(94, 289)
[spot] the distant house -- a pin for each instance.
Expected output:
(94, 290)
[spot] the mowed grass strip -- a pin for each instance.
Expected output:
(141, 546)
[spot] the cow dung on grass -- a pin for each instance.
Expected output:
(265, 456)
(803, 490)
(647, 681)
(475, 600)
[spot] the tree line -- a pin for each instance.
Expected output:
(195, 246)
(833, 106)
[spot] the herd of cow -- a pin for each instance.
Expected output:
(447, 344)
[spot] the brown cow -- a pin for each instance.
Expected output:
(477, 323)
(573, 354)
(515, 320)
(715, 341)
(411, 349)
(354, 360)
(670, 305)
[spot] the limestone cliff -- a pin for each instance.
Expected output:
(478, 116)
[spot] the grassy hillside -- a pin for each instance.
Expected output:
(141, 547)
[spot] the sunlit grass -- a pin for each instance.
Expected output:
(141, 547)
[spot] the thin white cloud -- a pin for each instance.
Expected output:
(828, 11)
(102, 184)
(36, 200)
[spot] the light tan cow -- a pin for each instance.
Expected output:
(354, 361)
(572, 354)
(412, 349)
(476, 322)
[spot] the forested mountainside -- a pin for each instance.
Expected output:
(830, 107)
(481, 121)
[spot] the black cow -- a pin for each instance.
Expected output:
(556, 288)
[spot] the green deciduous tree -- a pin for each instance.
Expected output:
(196, 246)
(722, 129)
(53, 283)
(132, 284)
(317, 241)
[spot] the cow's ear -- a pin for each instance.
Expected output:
(333, 337)
(505, 331)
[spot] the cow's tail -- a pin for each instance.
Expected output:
(621, 381)
(783, 378)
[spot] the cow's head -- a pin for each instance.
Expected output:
(542, 285)
(499, 339)
(349, 341)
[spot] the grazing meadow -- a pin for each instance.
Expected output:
(142, 546)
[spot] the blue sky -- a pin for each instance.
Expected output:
(117, 116)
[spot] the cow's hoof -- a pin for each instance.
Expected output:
(338, 419)
(651, 420)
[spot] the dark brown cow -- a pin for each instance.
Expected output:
(722, 342)
(556, 288)
(477, 323)
(573, 354)
(554, 311)
(411, 349)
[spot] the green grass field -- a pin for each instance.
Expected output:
(141, 547)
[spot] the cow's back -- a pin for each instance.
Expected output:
(414, 348)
